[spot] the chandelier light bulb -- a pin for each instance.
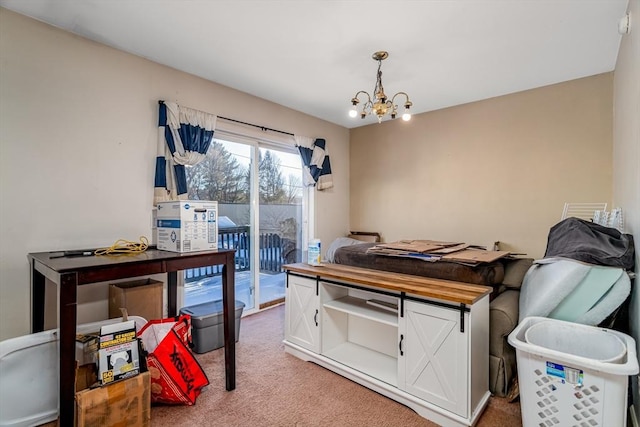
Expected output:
(353, 112)
(406, 117)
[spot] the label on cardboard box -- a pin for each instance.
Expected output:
(118, 356)
(187, 225)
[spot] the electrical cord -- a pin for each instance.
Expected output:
(125, 247)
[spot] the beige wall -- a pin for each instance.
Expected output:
(78, 126)
(626, 157)
(494, 170)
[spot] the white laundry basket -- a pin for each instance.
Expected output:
(572, 375)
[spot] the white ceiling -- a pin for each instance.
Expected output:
(313, 55)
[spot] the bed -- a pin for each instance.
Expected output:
(490, 274)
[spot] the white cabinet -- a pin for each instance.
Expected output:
(302, 312)
(444, 355)
(434, 361)
(429, 354)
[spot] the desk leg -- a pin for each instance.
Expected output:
(67, 323)
(172, 293)
(37, 299)
(229, 309)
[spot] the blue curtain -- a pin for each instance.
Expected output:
(315, 160)
(184, 136)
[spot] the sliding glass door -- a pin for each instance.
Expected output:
(261, 203)
(280, 220)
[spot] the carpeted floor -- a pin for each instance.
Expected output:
(274, 388)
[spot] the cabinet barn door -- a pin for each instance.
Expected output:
(302, 317)
(435, 356)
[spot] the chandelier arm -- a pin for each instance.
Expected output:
(356, 96)
(406, 98)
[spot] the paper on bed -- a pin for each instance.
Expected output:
(474, 255)
(451, 249)
(423, 246)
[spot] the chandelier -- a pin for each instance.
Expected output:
(381, 104)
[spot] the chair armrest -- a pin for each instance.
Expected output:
(503, 318)
(504, 311)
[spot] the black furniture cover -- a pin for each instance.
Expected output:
(591, 243)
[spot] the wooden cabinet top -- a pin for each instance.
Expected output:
(446, 290)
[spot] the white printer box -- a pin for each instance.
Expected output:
(187, 225)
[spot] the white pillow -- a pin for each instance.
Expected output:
(337, 244)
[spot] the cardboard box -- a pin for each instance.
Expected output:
(125, 403)
(86, 376)
(87, 348)
(118, 356)
(140, 297)
(187, 225)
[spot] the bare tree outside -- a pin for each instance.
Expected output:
(293, 194)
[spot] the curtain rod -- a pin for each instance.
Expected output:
(263, 128)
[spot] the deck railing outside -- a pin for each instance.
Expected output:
(272, 248)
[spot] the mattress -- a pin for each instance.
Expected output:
(487, 274)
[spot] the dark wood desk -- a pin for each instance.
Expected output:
(70, 272)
